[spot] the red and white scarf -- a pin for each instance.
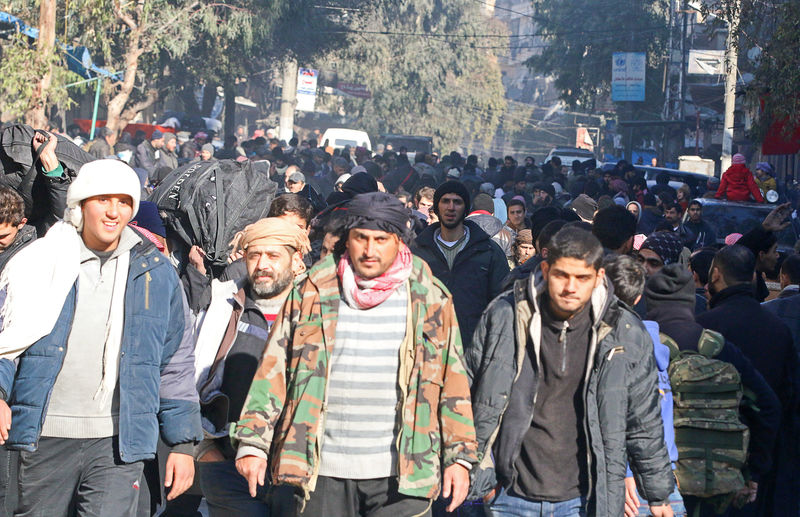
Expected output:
(362, 293)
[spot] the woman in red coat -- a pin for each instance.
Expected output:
(737, 182)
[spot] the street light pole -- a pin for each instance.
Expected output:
(731, 61)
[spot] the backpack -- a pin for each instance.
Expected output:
(207, 202)
(711, 439)
(18, 165)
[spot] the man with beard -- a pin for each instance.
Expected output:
(230, 344)
(462, 256)
(360, 402)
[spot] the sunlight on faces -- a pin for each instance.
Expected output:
(8, 232)
(328, 244)
(570, 283)
(524, 251)
(372, 252)
(293, 218)
(516, 214)
(651, 261)
(451, 210)
(104, 218)
(269, 268)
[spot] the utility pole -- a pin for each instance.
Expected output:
(288, 100)
(731, 61)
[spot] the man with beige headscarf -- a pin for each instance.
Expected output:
(232, 333)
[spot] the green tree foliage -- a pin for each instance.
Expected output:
(19, 71)
(428, 67)
(769, 31)
(581, 37)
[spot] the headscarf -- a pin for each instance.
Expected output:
(271, 231)
(377, 211)
(383, 212)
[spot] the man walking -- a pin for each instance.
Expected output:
(767, 342)
(148, 153)
(575, 372)
(93, 316)
(230, 343)
(462, 256)
(361, 396)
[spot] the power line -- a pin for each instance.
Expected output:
(495, 6)
(457, 35)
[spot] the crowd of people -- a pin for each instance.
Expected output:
(403, 334)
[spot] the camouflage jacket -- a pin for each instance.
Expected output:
(284, 411)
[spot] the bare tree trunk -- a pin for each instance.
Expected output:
(36, 115)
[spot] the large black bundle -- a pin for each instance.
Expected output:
(18, 171)
(207, 202)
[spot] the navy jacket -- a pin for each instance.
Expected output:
(156, 366)
(476, 277)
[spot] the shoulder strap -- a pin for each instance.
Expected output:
(674, 351)
(710, 343)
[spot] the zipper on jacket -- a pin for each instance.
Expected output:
(562, 340)
(147, 279)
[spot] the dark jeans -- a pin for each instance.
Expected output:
(227, 493)
(336, 497)
(8, 481)
(506, 505)
(85, 476)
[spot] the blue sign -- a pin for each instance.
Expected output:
(628, 76)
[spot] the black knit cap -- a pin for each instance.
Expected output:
(451, 187)
(672, 284)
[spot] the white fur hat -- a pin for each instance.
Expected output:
(97, 178)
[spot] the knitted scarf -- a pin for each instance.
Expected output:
(362, 293)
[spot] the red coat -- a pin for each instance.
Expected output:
(738, 184)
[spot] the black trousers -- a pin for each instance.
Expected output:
(83, 476)
(336, 497)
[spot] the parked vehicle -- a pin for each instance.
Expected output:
(413, 144)
(738, 217)
(569, 155)
(695, 180)
(338, 138)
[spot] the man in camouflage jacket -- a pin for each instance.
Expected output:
(286, 412)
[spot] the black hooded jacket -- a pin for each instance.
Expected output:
(476, 276)
(622, 418)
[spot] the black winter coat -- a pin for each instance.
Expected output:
(476, 277)
(622, 419)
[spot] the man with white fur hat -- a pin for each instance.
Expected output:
(93, 359)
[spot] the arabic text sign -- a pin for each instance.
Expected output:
(627, 76)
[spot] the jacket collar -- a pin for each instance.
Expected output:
(789, 291)
(734, 291)
(476, 234)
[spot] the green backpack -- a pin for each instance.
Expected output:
(711, 438)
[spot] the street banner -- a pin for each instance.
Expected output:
(306, 89)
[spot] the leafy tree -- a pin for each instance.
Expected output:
(581, 37)
(772, 27)
(428, 70)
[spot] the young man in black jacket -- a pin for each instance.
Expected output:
(564, 393)
(670, 300)
(462, 256)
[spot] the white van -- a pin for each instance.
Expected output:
(338, 138)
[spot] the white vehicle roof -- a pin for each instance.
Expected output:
(338, 138)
